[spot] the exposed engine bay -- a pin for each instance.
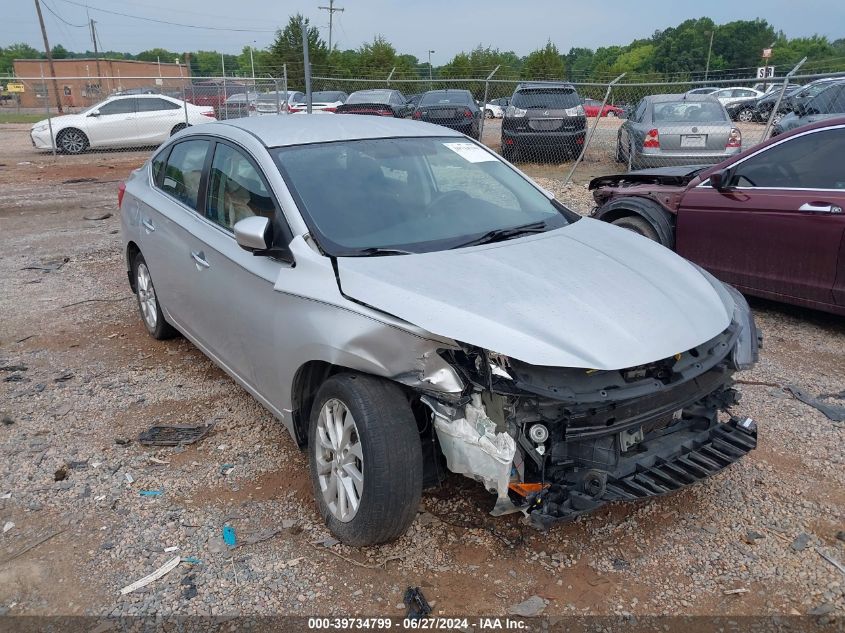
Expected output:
(555, 442)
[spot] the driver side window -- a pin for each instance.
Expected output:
(811, 161)
(118, 106)
(236, 190)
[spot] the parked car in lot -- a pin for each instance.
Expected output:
(545, 116)
(677, 129)
(791, 98)
(827, 104)
(592, 108)
(380, 102)
(213, 93)
(495, 108)
(704, 90)
(238, 105)
(324, 100)
(734, 94)
(133, 121)
(769, 221)
(391, 291)
(275, 102)
(455, 109)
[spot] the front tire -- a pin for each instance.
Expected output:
(638, 225)
(746, 115)
(72, 141)
(148, 303)
(365, 459)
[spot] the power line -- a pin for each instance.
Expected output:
(47, 6)
(157, 21)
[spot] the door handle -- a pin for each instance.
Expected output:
(148, 225)
(199, 258)
(811, 207)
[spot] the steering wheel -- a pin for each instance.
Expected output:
(456, 195)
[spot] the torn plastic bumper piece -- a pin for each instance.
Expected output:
(722, 446)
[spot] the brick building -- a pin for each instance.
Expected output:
(83, 82)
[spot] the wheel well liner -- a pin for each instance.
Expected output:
(662, 221)
(306, 383)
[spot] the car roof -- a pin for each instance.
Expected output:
(681, 97)
(281, 130)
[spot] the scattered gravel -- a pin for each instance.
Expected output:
(93, 380)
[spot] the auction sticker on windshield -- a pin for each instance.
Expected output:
(470, 152)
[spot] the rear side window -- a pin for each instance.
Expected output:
(183, 171)
(154, 105)
(546, 98)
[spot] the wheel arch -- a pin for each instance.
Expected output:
(131, 250)
(660, 218)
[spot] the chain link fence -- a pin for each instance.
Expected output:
(598, 127)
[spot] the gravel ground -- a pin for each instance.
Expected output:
(93, 380)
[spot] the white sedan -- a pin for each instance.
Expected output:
(125, 121)
(727, 96)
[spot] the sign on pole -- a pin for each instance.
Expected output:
(767, 53)
(765, 72)
(16, 87)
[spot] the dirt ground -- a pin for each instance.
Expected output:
(750, 541)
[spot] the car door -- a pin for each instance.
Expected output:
(232, 309)
(778, 231)
(113, 123)
(156, 118)
(167, 217)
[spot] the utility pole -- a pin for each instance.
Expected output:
(709, 50)
(96, 51)
(49, 58)
(429, 69)
(331, 9)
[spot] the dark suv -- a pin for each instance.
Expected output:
(547, 116)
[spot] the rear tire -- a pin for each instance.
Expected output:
(367, 476)
(72, 141)
(148, 303)
(746, 115)
(638, 225)
(488, 114)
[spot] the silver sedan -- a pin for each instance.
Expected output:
(682, 129)
(407, 303)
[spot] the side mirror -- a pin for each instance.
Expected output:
(252, 233)
(721, 180)
(95, 113)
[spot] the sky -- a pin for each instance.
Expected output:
(415, 27)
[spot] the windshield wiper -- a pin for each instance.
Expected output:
(499, 235)
(375, 251)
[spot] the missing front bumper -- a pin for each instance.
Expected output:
(698, 457)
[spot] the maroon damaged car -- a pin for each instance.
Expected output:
(769, 221)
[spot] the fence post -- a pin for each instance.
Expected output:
(184, 95)
(285, 79)
(390, 75)
(780, 98)
(49, 118)
(307, 66)
(484, 103)
(592, 129)
(225, 94)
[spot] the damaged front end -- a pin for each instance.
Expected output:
(558, 442)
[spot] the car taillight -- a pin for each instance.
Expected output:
(330, 109)
(652, 139)
(209, 113)
(121, 189)
(734, 138)
(467, 113)
(417, 114)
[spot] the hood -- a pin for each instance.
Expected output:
(588, 295)
(672, 176)
(61, 120)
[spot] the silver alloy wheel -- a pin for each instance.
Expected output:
(745, 115)
(73, 142)
(147, 296)
(340, 460)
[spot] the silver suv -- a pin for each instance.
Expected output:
(407, 303)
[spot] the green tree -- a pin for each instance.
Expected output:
(377, 58)
(13, 52)
(157, 54)
(287, 49)
(59, 52)
(544, 63)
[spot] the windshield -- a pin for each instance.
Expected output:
(327, 96)
(547, 98)
(444, 98)
(411, 194)
(680, 111)
(369, 96)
